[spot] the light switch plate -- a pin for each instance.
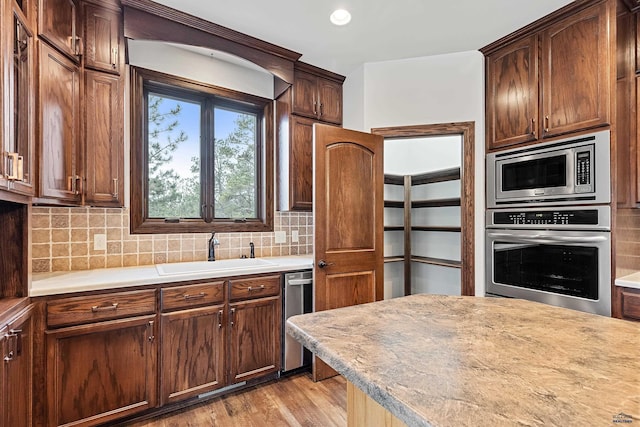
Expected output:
(99, 242)
(294, 236)
(281, 237)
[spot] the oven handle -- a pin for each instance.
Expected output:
(536, 238)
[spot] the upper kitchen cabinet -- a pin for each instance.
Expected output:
(59, 149)
(58, 25)
(315, 97)
(317, 93)
(512, 93)
(102, 39)
(104, 141)
(575, 68)
(18, 131)
(568, 56)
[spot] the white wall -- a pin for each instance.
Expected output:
(428, 90)
(181, 62)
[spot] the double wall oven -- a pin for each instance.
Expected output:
(548, 226)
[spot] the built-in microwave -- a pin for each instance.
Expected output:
(568, 171)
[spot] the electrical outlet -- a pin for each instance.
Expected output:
(99, 242)
(280, 237)
(294, 236)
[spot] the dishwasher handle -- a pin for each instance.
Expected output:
(299, 282)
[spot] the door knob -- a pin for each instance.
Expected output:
(322, 263)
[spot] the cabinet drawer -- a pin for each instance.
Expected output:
(192, 295)
(255, 287)
(631, 305)
(77, 310)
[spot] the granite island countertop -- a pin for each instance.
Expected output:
(467, 361)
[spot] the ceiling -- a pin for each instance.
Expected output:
(380, 30)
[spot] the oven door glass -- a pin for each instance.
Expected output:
(567, 270)
(544, 172)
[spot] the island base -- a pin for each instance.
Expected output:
(363, 411)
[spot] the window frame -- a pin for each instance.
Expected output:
(140, 222)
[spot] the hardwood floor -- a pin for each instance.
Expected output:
(290, 401)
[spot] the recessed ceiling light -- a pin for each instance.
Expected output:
(340, 17)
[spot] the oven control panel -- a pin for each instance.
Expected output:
(547, 217)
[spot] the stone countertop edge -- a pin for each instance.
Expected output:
(629, 281)
(57, 283)
(376, 391)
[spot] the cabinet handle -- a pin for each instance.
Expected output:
(79, 47)
(9, 357)
(196, 296)
(97, 308)
(114, 57)
(259, 288)
(151, 337)
(546, 124)
(231, 313)
(321, 110)
(220, 319)
(533, 127)
(72, 184)
(115, 188)
(315, 110)
(14, 168)
(17, 333)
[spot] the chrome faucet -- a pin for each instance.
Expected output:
(252, 253)
(213, 242)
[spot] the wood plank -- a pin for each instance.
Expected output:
(435, 203)
(394, 179)
(362, 411)
(289, 401)
(393, 258)
(393, 204)
(436, 176)
(437, 261)
(437, 228)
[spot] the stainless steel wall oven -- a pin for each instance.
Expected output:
(560, 256)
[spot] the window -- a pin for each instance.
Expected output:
(199, 157)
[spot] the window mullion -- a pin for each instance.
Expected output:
(207, 160)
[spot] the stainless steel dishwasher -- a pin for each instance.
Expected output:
(298, 299)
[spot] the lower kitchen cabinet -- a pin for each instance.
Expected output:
(193, 347)
(101, 371)
(16, 342)
(255, 338)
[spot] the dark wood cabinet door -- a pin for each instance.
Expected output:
(576, 76)
(59, 153)
(301, 164)
(101, 38)
(100, 372)
(104, 148)
(330, 97)
(512, 94)
(192, 359)
(18, 154)
(17, 371)
(305, 94)
(57, 20)
(255, 338)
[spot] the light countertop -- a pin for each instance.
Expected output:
(114, 278)
(468, 361)
(630, 281)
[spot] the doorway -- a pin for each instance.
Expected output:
(429, 215)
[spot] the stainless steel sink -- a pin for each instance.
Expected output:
(204, 266)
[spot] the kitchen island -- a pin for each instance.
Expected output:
(432, 360)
